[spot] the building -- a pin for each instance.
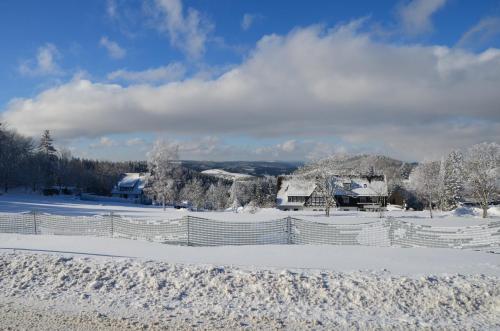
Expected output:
(351, 193)
(131, 187)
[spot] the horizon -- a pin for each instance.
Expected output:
(238, 81)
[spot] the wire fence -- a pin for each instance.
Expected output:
(196, 231)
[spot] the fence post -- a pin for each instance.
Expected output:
(112, 230)
(188, 230)
(289, 229)
(34, 222)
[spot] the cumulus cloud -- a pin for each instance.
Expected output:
(415, 15)
(486, 29)
(410, 99)
(114, 50)
(171, 72)
(45, 62)
(187, 29)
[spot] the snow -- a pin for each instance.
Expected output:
(73, 206)
(72, 282)
(219, 173)
(399, 261)
(111, 293)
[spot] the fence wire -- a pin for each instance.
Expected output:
(197, 231)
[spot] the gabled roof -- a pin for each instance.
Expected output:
(134, 181)
(295, 186)
(351, 186)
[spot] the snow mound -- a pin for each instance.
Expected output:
(215, 297)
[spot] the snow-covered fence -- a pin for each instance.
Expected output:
(196, 231)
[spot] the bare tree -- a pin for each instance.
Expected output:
(424, 181)
(164, 172)
(482, 168)
(326, 185)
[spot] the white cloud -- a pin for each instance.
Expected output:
(486, 29)
(171, 72)
(411, 100)
(248, 20)
(114, 50)
(187, 30)
(135, 142)
(44, 64)
(415, 15)
(111, 8)
(104, 142)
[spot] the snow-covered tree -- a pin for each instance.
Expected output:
(234, 196)
(453, 180)
(162, 183)
(47, 155)
(424, 181)
(482, 169)
(194, 192)
(217, 196)
(326, 185)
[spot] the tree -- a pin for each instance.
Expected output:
(194, 193)
(326, 185)
(482, 168)
(47, 158)
(217, 196)
(453, 180)
(164, 171)
(424, 181)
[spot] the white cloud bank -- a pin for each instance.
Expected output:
(414, 100)
(173, 71)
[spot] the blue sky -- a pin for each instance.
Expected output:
(260, 80)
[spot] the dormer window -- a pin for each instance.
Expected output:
(365, 186)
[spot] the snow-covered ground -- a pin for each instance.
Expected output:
(118, 293)
(68, 205)
(60, 282)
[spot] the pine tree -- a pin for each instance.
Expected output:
(46, 145)
(47, 159)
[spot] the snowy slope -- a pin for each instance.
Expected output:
(219, 173)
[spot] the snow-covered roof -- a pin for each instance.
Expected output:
(298, 187)
(364, 187)
(132, 182)
(352, 186)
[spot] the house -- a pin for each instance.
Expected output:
(351, 193)
(131, 187)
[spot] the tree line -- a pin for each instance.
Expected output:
(36, 165)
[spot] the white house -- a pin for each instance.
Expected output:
(131, 187)
(351, 193)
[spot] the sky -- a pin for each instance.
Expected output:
(252, 80)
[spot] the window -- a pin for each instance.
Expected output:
(365, 186)
(345, 199)
(296, 199)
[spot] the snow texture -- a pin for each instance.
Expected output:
(123, 293)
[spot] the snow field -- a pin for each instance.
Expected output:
(160, 294)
